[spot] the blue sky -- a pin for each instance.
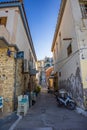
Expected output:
(42, 18)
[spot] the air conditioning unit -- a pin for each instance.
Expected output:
(25, 65)
(30, 64)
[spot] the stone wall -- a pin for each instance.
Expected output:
(18, 82)
(19, 78)
(12, 79)
(7, 68)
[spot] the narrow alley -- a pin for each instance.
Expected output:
(46, 115)
(43, 43)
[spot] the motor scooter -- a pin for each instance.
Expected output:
(63, 99)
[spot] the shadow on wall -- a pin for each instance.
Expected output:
(74, 86)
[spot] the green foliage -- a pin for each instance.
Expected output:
(38, 89)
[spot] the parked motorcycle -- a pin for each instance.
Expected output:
(64, 100)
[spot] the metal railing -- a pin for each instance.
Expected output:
(83, 7)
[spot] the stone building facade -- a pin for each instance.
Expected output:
(15, 38)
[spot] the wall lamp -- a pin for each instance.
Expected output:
(9, 52)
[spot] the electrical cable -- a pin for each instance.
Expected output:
(68, 57)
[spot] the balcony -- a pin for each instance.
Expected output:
(4, 36)
(32, 70)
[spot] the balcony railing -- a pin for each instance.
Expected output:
(4, 33)
(32, 69)
(83, 7)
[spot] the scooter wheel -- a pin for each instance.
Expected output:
(59, 104)
(71, 105)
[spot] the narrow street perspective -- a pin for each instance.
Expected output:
(46, 115)
(43, 64)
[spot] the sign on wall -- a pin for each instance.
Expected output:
(20, 55)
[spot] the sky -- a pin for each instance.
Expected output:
(42, 18)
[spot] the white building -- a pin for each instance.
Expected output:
(69, 49)
(40, 75)
(48, 62)
(15, 73)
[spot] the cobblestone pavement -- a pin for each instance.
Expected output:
(46, 115)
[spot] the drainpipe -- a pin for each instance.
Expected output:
(14, 100)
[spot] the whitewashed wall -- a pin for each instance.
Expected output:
(81, 30)
(70, 67)
(22, 41)
(21, 38)
(67, 29)
(10, 19)
(17, 31)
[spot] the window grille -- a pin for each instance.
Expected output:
(83, 6)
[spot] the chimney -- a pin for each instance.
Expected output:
(21, 1)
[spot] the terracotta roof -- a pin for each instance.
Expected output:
(49, 71)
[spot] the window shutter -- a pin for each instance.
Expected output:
(3, 21)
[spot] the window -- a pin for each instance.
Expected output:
(47, 65)
(57, 48)
(69, 50)
(60, 41)
(59, 74)
(3, 21)
(83, 6)
(54, 55)
(30, 55)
